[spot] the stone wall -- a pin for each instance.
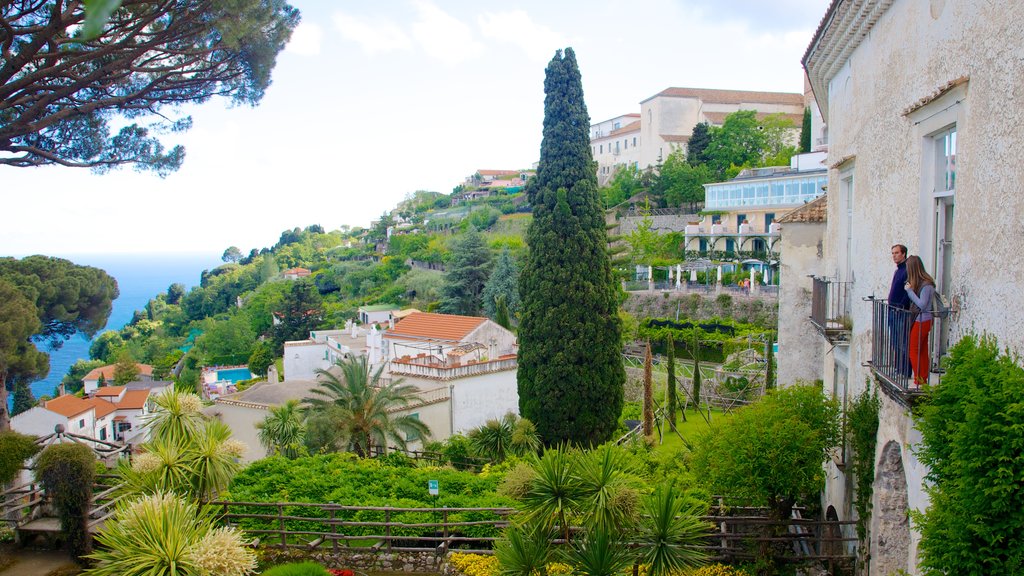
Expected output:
(659, 223)
(426, 562)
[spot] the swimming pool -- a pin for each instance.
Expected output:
(234, 374)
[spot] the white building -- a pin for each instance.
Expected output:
(615, 143)
(323, 349)
(463, 367)
(114, 414)
(921, 103)
(667, 118)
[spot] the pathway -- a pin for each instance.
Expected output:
(34, 562)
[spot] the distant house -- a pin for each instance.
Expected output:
(377, 314)
(113, 414)
(295, 273)
(463, 367)
(91, 380)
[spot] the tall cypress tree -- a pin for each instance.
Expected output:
(698, 143)
(570, 365)
(673, 401)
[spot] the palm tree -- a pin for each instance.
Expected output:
(554, 493)
(213, 460)
(599, 553)
(524, 550)
(365, 410)
(176, 418)
(609, 490)
(283, 430)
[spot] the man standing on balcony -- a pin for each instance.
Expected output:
(899, 313)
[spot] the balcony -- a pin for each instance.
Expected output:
(890, 332)
(830, 309)
(432, 368)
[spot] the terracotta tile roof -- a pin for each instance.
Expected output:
(108, 372)
(733, 96)
(718, 118)
(297, 271)
(814, 211)
(631, 127)
(108, 391)
(68, 406)
(498, 172)
(430, 326)
(102, 406)
(133, 400)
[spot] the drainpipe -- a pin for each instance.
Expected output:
(451, 409)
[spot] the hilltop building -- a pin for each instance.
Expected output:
(666, 120)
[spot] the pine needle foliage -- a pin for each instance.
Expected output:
(570, 368)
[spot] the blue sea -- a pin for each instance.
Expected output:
(140, 277)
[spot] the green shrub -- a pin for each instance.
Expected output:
(15, 448)
(297, 569)
(972, 435)
(346, 480)
(66, 472)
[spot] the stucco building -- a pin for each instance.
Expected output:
(919, 100)
(666, 122)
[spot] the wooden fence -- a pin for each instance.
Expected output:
(736, 533)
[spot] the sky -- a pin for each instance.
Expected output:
(372, 101)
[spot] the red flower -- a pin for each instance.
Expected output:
(340, 572)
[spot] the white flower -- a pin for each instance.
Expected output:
(145, 463)
(234, 447)
(223, 552)
(190, 403)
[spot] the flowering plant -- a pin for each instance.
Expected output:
(340, 572)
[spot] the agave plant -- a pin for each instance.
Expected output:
(499, 438)
(167, 535)
(198, 469)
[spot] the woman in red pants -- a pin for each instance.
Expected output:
(920, 288)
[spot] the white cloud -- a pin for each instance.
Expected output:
(515, 27)
(443, 36)
(373, 36)
(306, 40)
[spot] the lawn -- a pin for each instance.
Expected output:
(693, 427)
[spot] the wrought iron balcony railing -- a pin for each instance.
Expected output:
(830, 309)
(890, 356)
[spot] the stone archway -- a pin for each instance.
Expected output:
(890, 539)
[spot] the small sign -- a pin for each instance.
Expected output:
(433, 487)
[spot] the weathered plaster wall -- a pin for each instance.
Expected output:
(800, 345)
(915, 48)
